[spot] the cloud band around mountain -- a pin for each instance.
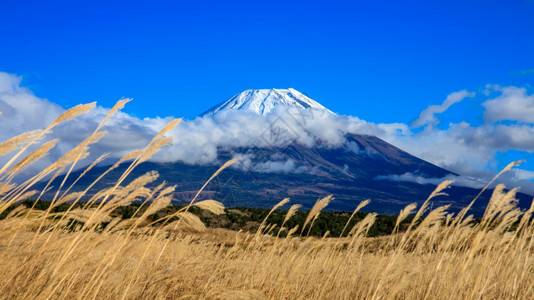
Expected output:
(461, 147)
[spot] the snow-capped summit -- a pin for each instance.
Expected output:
(262, 101)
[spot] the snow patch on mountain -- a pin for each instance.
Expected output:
(263, 101)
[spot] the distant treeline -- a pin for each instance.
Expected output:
(249, 218)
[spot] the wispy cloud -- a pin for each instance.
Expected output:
(428, 116)
(525, 72)
(457, 180)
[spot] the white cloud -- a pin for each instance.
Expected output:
(21, 110)
(457, 180)
(515, 178)
(428, 116)
(272, 163)
(514, 104)
(470, 149)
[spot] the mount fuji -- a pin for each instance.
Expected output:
(359, 167)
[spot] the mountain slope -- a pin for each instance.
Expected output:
(351, 177)
(361, 156)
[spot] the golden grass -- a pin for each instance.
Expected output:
(86, 253)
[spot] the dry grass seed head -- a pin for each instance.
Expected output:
(509, 201)
(157, 205)
(84, 215)
(14, 199)
(69, 197)
(166, 191)
(212, 206)
(33, 157)
(67, 115)
(506, 211)
(118, 106)
(141, 181)
(292, 231)
(73, 113)
(496, 196)
(100, 195)
(524, 219)
(467, 220)
(363, 226)
(512, 165)
(25, 196)
(442, 186)
(278, 205)
(360, 206)
(437, 192)
(224, 166)
(138, 194)
(316, 209)
(501, 202)
(271, 228)
(128, 156)
(80, 151)
(6, 187)
(292, 211)
(18, 142)
(16, 211)
(508, 218)
(111, 225)
(87, 169)
(448, 219)
(123, 224)
(146, 155)
(170, 126)
(436, 216)
(405, 212)
(189, 220)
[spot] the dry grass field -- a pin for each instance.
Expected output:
(86, 253)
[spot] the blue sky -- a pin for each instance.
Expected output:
(384, 62)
